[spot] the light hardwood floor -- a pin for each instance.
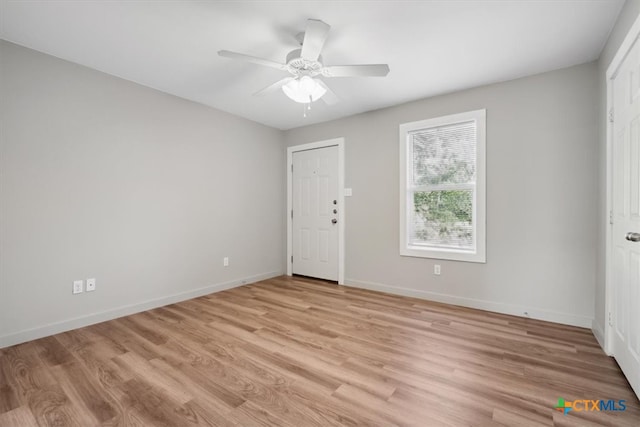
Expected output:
(298, 352)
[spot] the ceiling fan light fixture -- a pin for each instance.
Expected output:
(305, 64)
(304, 90)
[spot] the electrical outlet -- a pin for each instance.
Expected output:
(436, 269)
(225, 261)
(77, 286)
(91, 285)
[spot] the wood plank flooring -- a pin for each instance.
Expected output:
(298, 352)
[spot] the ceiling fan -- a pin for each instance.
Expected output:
(305, 66)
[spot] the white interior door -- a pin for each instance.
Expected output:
(315, 213)
(625, 314)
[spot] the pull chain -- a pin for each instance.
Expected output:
(306, 107)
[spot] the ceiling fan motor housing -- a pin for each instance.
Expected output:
(299, 66)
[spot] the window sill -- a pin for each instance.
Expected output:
(447, 254)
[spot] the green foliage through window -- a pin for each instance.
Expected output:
(444, 217)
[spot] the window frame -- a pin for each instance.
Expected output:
(478, 254)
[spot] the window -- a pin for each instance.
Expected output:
(442, 187)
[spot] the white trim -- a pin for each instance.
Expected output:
(339, 142)
(478, 254)
(496, 307)
(612, 69)
(624, 48)
(82, 321)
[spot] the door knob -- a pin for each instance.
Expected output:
(633, 237)
(333, 221)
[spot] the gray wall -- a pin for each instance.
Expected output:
(104, 178)
(542, 202)
(627, 17)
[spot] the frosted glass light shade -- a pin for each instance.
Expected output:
(304, 90)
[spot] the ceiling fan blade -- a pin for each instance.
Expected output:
(274, 87)
(255, 60)
(314, 38)
(329, 96)
(371, 70)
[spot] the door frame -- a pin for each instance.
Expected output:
(612, 70)
(339, 142)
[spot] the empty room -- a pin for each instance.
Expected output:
(319, 213)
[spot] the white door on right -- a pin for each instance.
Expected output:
(626, 217)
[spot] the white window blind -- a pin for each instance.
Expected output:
(440, 195)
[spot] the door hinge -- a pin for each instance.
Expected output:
(291, 167)
(291, 259)
(610, 319)
(291, 213)
(610, 217)
(611, 116)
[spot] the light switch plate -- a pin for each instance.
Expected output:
(77, 286)
(348, 192)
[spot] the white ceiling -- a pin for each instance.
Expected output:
(432, 47)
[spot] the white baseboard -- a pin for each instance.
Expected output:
(598, 332)
(79, 322)
(497, 307)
